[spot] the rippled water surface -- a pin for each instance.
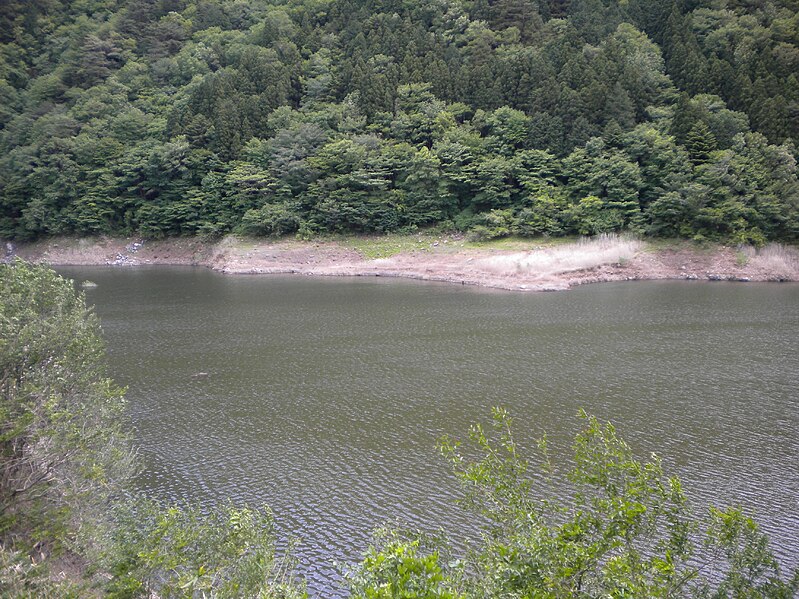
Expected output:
(324, 398)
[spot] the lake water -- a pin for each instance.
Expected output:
(324, 398)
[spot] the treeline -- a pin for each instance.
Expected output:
(186, 117)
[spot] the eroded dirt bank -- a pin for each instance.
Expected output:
(526, 267)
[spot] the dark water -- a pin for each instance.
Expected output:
(325, 397)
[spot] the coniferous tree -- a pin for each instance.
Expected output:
(700, 143)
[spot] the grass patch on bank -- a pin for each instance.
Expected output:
(659, 244)
(676, 244)
(373, 247)
(783, 260)
(240, 242)
(519, 244)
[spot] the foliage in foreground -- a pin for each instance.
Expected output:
(62, 444)
(227, 553)
(64, 457)
(625, 531)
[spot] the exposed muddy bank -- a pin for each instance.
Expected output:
(533, 268)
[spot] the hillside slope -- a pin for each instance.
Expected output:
(525, 117)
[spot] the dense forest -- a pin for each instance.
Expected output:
(528, 117)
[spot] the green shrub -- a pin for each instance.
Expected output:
(491, 225)
(402, 565)
(544, 216)
(271, 219)
(186, 552)
(62, 444)
(65, 456)
(625, 530)
(593, 215)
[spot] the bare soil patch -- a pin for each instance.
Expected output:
(537, 268)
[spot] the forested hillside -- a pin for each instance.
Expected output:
(173, 117)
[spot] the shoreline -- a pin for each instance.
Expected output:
(521, 265)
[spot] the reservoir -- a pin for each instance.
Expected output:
(324, 398)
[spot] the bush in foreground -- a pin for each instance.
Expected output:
(62, 443)
(625, 531)
(185, 552)
(65, 458)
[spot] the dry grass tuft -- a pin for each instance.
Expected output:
(777, 258)
(584, 254)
